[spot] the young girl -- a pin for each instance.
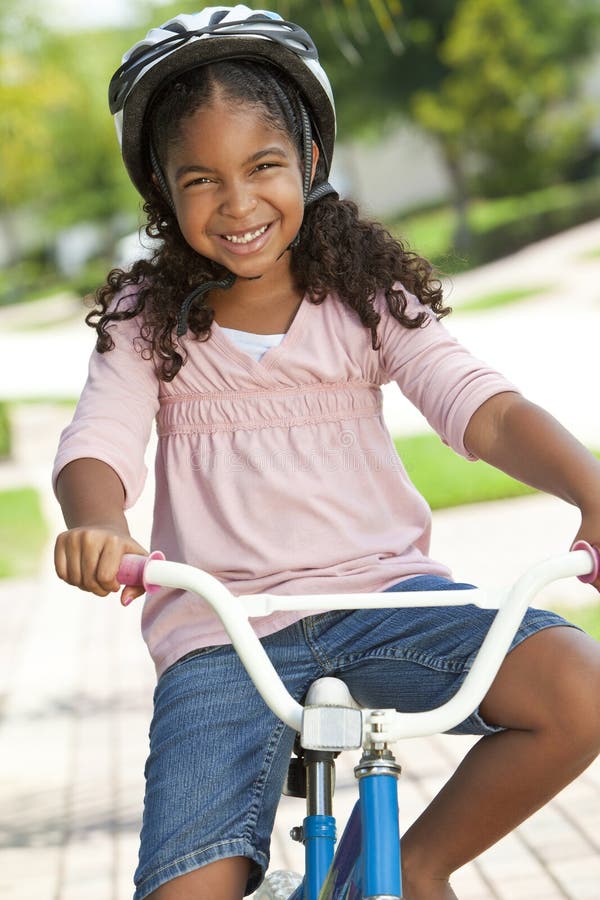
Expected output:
(258, 337)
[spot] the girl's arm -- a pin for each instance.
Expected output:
(527, 443)
(88, 555)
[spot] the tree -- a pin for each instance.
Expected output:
(489, 79)
(374, 70)
(58, 154)
(22, 92)
(508, 103)
(89, 179)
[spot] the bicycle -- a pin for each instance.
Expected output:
(367, 861)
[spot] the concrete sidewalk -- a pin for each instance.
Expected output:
(76, 682)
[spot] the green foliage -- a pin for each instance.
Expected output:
(59, 151)
(23, 532)
(23, 280)
(90, 181)
(29, 89)
(547, 212)
(508, 99)
(373, 76)
(492, 79)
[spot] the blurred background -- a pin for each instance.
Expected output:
(471, 128)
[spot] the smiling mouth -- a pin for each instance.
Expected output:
(245, 238)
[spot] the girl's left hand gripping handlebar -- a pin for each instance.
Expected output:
(133, 568)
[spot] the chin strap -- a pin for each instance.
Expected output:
(182, 318)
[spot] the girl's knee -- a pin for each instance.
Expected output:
(550, 683)
(570, 697)
(224, 879)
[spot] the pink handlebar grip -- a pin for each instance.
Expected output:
(133, 567)
(595, 554)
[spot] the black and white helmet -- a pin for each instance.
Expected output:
(215, 33)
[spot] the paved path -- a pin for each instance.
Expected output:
(76, 683)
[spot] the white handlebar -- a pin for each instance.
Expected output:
(511, 603)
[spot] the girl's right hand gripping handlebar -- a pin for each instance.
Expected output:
(132, 570)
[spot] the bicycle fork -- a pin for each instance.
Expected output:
(377, 774)
(368, 858)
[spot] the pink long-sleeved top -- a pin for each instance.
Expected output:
(277, 476)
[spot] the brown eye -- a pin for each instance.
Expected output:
(196, 181)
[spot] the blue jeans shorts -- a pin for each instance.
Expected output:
(219, 757)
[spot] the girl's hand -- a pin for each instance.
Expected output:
(89, 558)
(590, 531)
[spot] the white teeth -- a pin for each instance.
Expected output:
(245, 238)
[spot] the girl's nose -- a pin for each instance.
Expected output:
(238, 200)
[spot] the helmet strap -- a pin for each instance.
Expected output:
(307, 141)
(323, 189)
(182, 319)
(307, 147)
(160, 177)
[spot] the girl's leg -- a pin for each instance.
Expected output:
(547, 696)
(218, 759)
(222, 880)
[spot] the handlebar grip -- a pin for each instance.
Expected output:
(595, 554)
(133, 568)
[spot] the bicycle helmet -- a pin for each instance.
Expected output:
(217, 33)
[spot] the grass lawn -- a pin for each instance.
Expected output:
(5, 431)
(446, 479)
(587, 617)
(430, 231)
(591, 254)
(501, 298)
(23, 532)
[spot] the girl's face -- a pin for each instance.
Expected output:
(237, 187)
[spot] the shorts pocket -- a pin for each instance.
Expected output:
(193, 654)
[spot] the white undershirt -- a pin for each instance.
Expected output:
(255, 345)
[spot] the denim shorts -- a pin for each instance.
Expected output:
(219, 757)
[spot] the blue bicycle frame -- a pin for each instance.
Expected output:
(367, 861)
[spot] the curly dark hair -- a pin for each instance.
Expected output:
(337, 253)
